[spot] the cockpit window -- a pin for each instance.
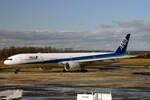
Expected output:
(9, 59)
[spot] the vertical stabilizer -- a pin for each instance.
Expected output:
(123, 46)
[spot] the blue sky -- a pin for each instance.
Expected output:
(85, 20)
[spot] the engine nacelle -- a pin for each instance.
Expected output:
(72, 66)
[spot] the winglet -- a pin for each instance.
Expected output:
(123, 46)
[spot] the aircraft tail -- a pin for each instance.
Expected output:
(123, 46)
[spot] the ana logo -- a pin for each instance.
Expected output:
(85, 96)
(123, 43)
(33, 57)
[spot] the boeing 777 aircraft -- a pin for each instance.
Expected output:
(70, 61)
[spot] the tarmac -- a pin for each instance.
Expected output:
(56, 92)
(125, 83)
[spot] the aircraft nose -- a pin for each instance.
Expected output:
(6, 62)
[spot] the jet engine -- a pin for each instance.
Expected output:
(72, 66)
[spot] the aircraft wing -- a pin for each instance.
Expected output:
(100, 59)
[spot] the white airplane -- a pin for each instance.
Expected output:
(70, 61)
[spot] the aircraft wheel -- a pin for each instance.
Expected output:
(16, 71)
(84, 70)
(64, 70)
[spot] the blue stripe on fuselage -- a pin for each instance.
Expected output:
(78, 58)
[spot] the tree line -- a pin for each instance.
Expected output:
(9, 51)
(141, 54)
